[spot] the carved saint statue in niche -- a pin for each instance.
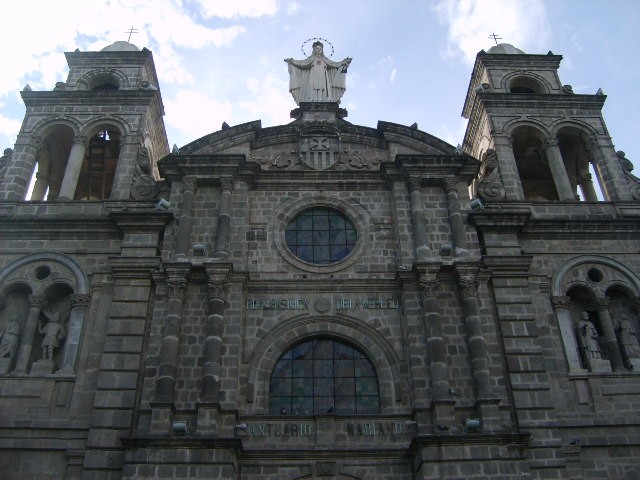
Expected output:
(54, 332)
(316, 78)
(588, 336)
(628, 340)
(9, 339)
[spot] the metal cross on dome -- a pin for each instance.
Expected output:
(131, 31)
(495, 37)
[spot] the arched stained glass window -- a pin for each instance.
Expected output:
(321, 377)
(321, 236)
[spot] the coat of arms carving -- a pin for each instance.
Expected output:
(319, 151)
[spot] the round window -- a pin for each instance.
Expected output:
(321, 236)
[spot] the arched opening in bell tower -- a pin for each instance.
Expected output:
(72, 167)
(533, 167)
(99, 165)
(577, 159)
(51, 163)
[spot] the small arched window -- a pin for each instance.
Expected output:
(104, 82)
(323, 377)
(525, 85)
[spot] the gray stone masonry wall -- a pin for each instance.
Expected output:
(113, 409)
(492, 335)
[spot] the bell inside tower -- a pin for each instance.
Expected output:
(99, 166)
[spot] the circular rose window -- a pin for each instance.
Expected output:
(321, 236)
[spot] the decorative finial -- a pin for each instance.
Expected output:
(495, 37)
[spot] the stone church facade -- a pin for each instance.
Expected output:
(318, 299)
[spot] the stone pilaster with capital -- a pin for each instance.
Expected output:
(478, 351)
(218, 290)
(458, 233)
(428, 286)
(176, 288)
(419, 222)
(223, 230)
(183, 234)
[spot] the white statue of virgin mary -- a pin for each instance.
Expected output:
(316, 78)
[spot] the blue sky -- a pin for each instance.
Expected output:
(223, 60)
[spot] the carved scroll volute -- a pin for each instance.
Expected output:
(490, 186)
(632, 181)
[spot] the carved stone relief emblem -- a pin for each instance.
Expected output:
(319, 152)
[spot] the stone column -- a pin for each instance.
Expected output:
(40, 187)
(418, 220)
(615, 356)
(162, 406)
(438, 374)
(477, 343)
(14, 184)
(586, 184)
(558, 171)
(562, 306)
(455, 217)
(72, 171)
(36, 305)
(508, 167)
(221, 249)
(78, 304)
(169, 348)
(218, 289)
(184, 225)
(486, 402)
(208, 407)
(42, 181)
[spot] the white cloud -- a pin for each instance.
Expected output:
(385, 71)
(293, 8)
(470, 22)
(270, 100)
(195, 114)
(8, 126)
(38, 59)
(452, 136)
(237, 8)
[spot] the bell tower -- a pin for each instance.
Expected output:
(536, 138)
(96, 136)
